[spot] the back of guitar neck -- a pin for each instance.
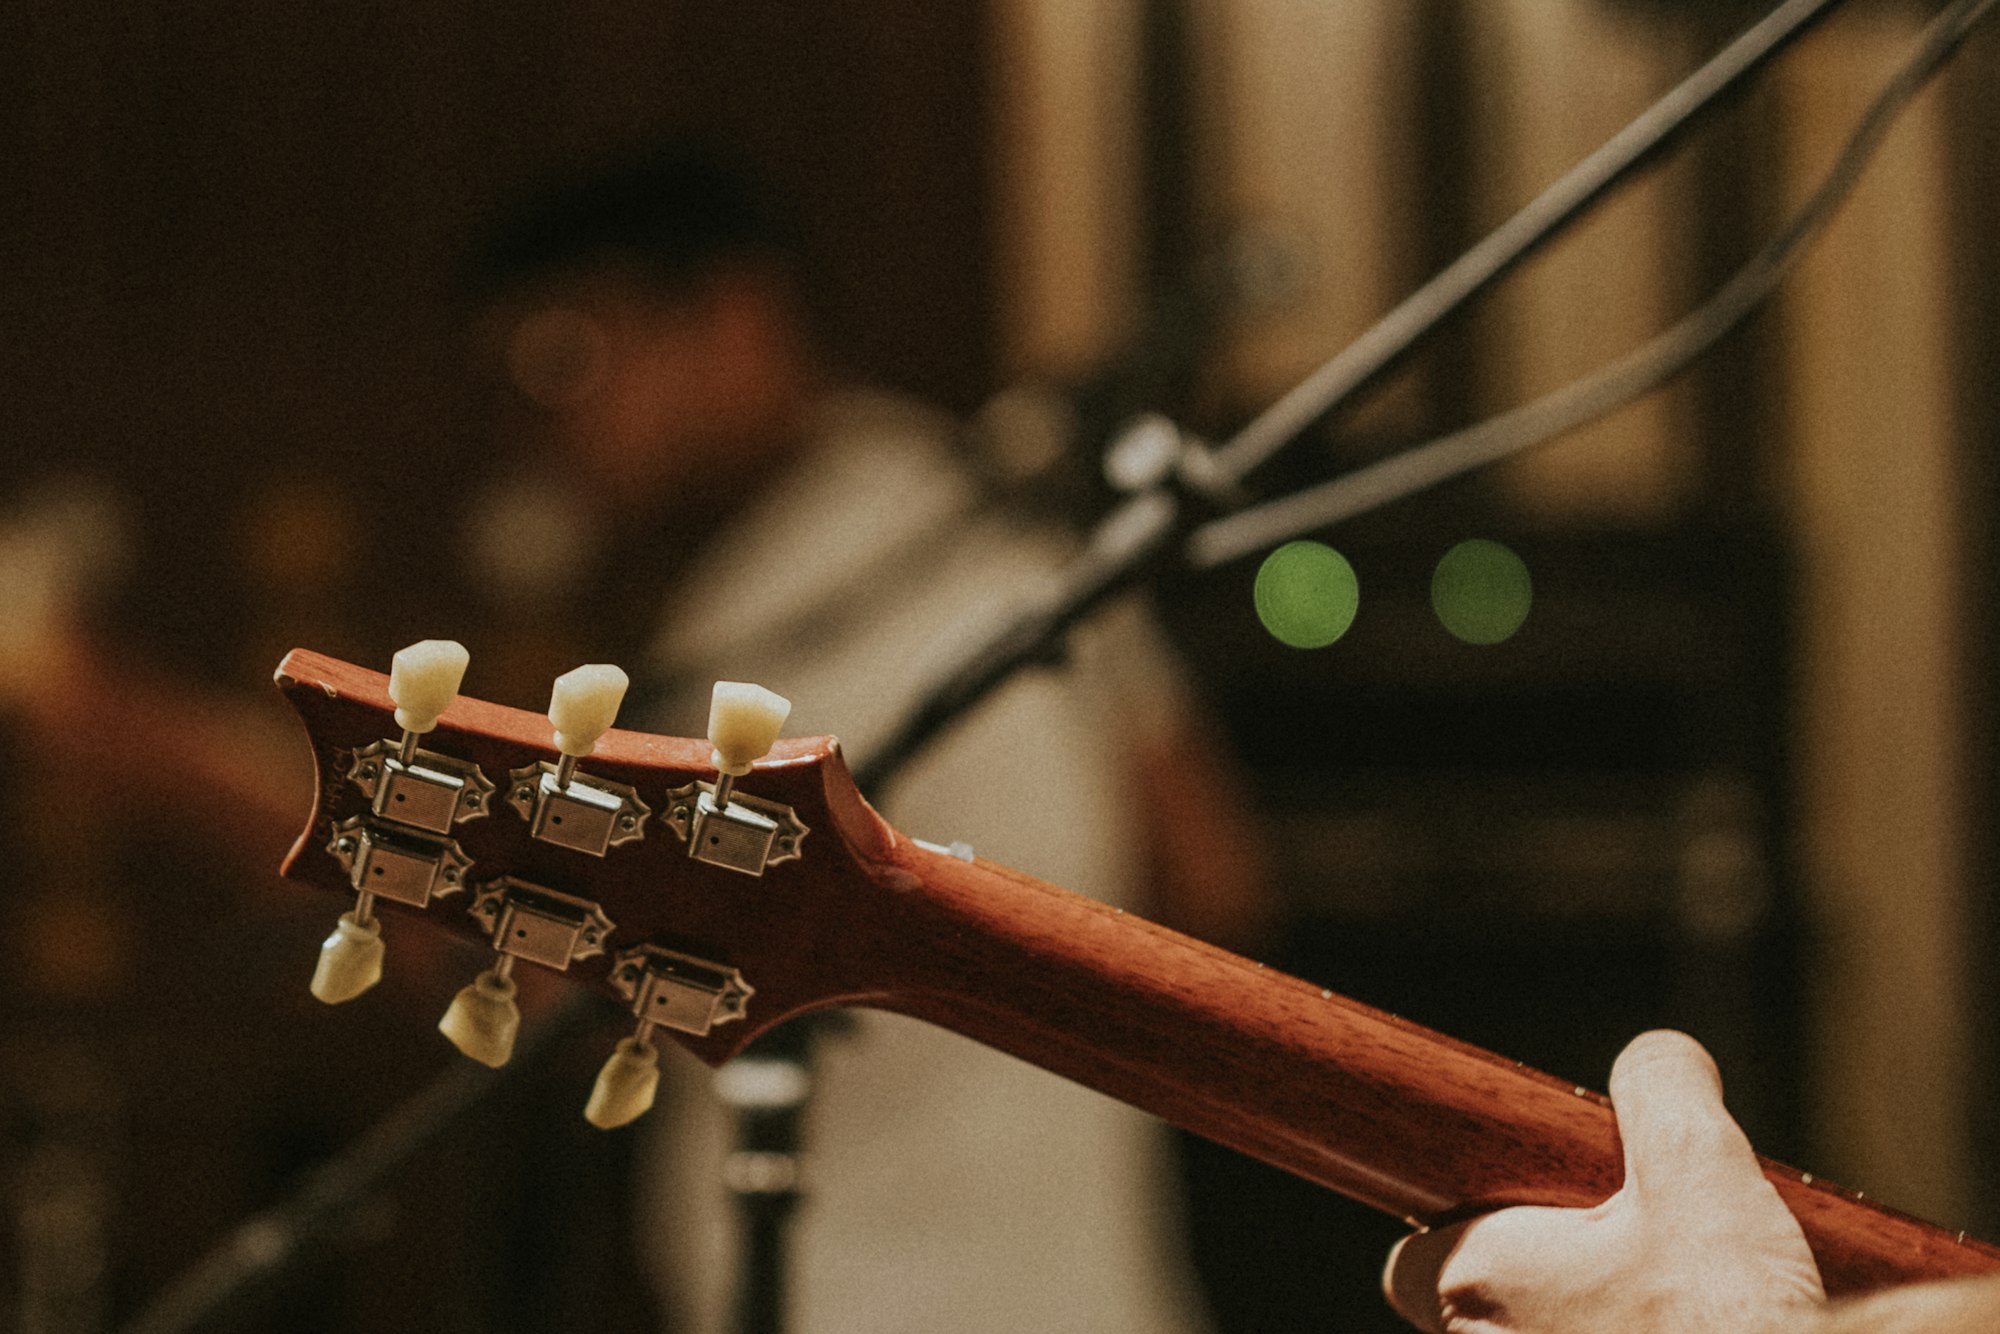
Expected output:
(1385, 1111)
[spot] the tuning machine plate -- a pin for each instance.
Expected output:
(747, 835)
(393, 865)
(540, 925)
(679, 991)
(428, 791)
(587, 814)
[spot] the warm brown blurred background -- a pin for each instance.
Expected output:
(1733, 774)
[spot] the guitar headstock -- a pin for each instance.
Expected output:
(613, 859)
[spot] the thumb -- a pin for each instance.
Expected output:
(1680, 1142)
(1690, 1172)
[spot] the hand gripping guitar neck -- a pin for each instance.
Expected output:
(716, 888)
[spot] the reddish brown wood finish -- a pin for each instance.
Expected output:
(1404, 1119)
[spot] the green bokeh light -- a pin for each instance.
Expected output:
(1306, 594)
(1481, 592)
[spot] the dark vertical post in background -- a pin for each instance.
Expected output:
(1975, 221)
(1173, 182)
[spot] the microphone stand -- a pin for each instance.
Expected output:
(271, 1242)
(1139, 530)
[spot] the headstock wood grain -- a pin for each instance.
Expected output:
(1406, 1120)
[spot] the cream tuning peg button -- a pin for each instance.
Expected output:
(350, 961)
(743, 723)
(424, 680)
(483, 1019)
(583, 705)
(626, 1085)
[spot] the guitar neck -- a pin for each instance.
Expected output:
(1415, 1124)
(1398, 1117)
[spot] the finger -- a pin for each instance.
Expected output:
(1680, 1141)
(1410, 1278)
(1511, 1267)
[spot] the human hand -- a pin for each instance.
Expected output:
(1695, 1242)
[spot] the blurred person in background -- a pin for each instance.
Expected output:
(687, 486)
(680, 432)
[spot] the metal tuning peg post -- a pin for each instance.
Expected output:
(529, 922)
(720, 825)
(414, 795)
(667, 989)
(572, 810)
